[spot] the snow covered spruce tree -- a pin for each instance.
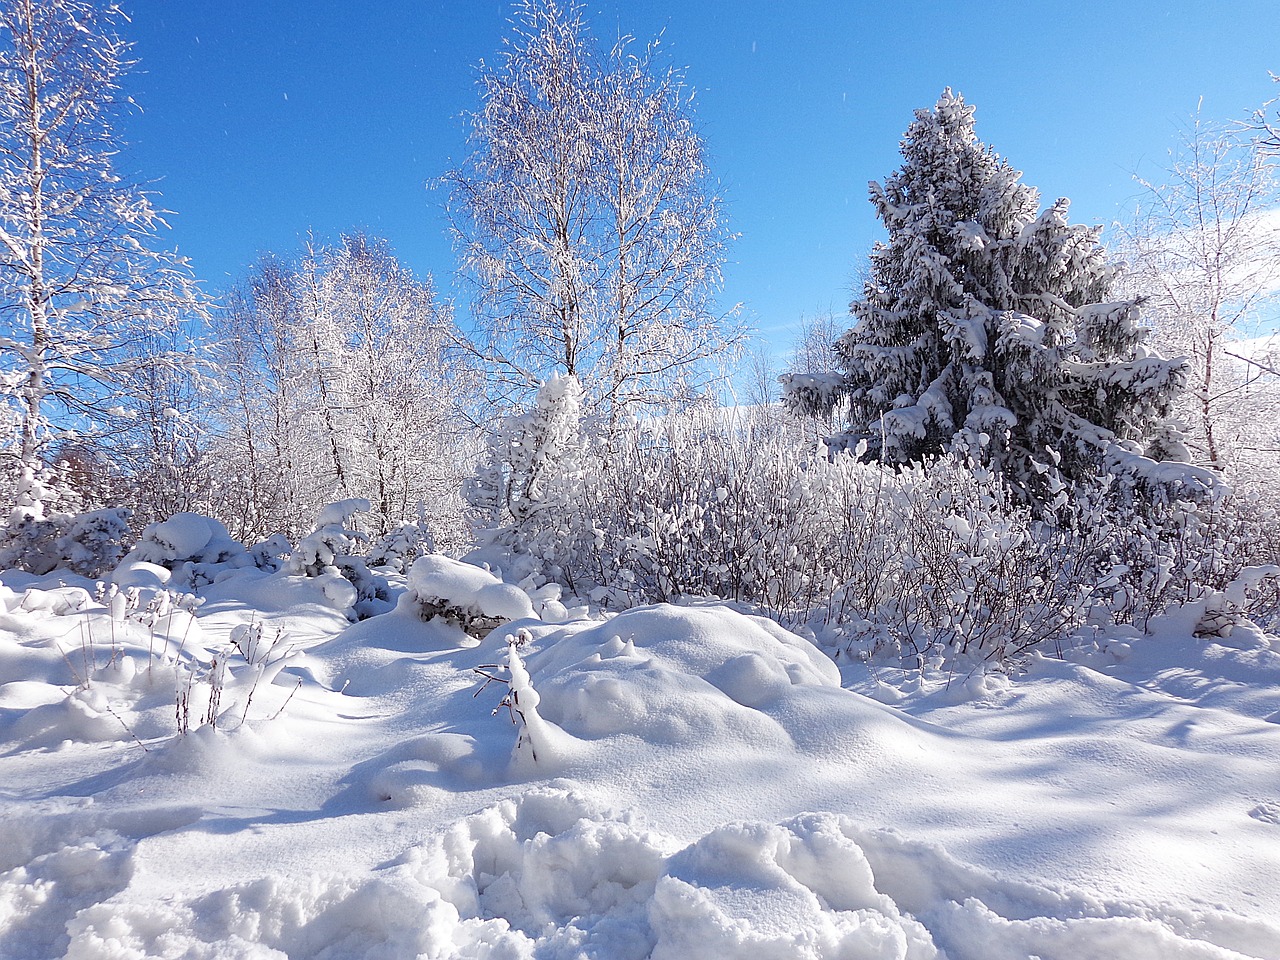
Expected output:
(588, 221)
(987, 328)
(81, 280)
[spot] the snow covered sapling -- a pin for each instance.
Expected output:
(526, 488)
(403, 545)
(328, 553)
(93, 543)
(330, 539)
(988, 328)
(521, 700)
(272, 553)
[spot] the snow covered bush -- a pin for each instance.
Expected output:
(900, 559)
(92, 543)
(271, 553)
(46, 530)
(1185, 551)
(403, 545)
(329, 554)
(197, 550)
(330, 538)
(471, 597)
(717, 504)
(987, 329)
(89, 544)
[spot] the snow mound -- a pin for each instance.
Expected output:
(671, 674)
(1122, 809)
(456, 590)
(802, 888)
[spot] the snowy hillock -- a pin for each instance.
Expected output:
(706, 784)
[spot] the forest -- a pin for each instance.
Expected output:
(525, 590)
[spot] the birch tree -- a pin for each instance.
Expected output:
(406, 387)
(342, 379)
(1203, 246)
(1265, 125)
(588, 221)
(262, 484)
(84, 285)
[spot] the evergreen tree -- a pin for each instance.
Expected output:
(986, 327)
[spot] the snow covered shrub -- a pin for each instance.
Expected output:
(328, 553)
(93, 543)
(197, 550)
(1253, 594)
(980, 575)
(986, 329)
(30, 544)
(90, 544)
(716, 504)
(224, 689)
(1186, 550)
(403, 545)
(467, 595)
(272, 553)
(330, 539)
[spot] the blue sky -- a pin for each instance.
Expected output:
(263, 119)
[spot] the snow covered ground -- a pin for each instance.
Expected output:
(686, 782)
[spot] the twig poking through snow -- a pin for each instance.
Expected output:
(521, 699)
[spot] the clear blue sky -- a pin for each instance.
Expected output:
(263, 119)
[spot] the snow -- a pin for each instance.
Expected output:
(706, 784)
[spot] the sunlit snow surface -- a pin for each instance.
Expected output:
(705, 785)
